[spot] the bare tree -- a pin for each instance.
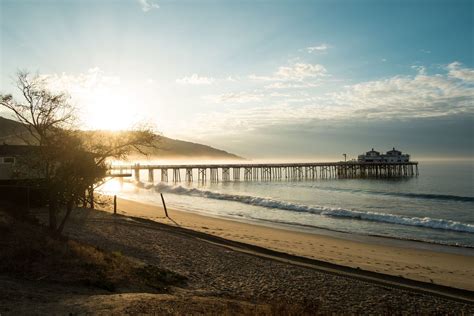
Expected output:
(42, 112)
(68, 161)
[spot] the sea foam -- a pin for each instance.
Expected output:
(427, 222)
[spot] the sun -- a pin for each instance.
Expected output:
(108, 109)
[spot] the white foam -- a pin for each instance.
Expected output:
(319, 210)
(402, 220)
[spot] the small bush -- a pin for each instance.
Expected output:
(158, 278)
(29, 252)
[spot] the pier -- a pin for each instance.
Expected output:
(266, 171)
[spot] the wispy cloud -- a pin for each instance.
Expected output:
(235, 97)
(397, 98)
(318, 48)
(420, 69)
(404, 97)
(195, 79)
(94, 78)
(292, 85)
(295, 72)
(456, 71)
(148, 5)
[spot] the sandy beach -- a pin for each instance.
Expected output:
(239, 277)
(453, 270)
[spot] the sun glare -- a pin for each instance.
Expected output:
(111, 187)
(108, 109)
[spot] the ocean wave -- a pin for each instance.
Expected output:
(402, 220)
(246, 199)
(426, 196)
(426, 222)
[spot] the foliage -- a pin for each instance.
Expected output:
(68, 163)
(30, 253)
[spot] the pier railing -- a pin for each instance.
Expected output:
(267, 171)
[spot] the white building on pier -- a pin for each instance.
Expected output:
(392, 156)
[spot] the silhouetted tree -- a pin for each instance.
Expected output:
(67, 162)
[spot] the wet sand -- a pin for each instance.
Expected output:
(453, 270)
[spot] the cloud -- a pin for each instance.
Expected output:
(94, 78)
(148, 5)
(295, 72)
(194, 79)
(235, 97)
(318, 48)
(420, 69)
(465, 74)
(292, 85)
(398, 98)
(405, 97)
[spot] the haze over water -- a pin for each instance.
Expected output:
(436, 207)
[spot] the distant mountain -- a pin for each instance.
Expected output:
(169, 147)
(12, 132)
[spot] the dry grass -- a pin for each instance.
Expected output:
(29, 252)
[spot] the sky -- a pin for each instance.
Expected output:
(262, 79)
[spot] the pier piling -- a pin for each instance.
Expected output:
(273, 172)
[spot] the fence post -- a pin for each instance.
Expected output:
(115, 204)
(27, 199)
(164, 204)
(91, 193)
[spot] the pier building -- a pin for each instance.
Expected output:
(392, 156)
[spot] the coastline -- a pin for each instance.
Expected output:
(222, 277)
(442, 268)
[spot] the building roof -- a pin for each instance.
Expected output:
(17, 150)
(373, 151)
(394, 151)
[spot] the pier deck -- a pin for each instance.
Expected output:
(268, 171)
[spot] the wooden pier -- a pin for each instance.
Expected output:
(267, 172)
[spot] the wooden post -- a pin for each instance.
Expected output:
(151, 176)
(164, 204)
(137, 172)
(91, 196)
(115, 204)
(84, 199)
(27, 199)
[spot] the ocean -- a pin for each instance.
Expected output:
(437, 207)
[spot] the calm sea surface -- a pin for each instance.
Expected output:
(435, 207)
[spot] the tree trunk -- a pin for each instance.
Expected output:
(69, 208)
(53, 215)
(91, 196)
(84, 199)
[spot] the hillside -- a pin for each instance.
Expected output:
(167, 148)
(11, 132)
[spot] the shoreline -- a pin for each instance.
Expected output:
(433, 245)
(364, 238)
(424, 228)
(430, 266)
(222, 276)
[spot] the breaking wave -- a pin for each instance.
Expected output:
(427, 222)
(402, 220)
(426, 196)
